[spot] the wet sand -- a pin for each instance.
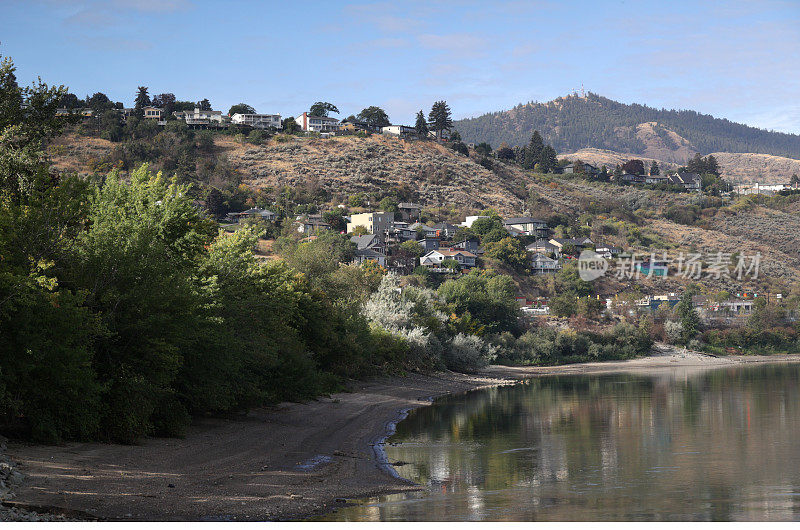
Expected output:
(284, 462)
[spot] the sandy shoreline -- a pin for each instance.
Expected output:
(285, 462)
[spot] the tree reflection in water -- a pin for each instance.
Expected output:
(714, 445)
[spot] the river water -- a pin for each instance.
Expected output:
(718, 445)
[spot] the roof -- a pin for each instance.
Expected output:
(365, 241)
(522, 220)
(450, 252)
(541, 243)
(369, 253)
(541, 257)
(409, 205)
(445, 226)
(571, 241)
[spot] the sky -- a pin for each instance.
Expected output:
(738, 59)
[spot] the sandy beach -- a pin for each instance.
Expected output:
(285, 462)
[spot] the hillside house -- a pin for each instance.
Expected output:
(541, 264)
(542, 246)
(198, 117)
(252, 213)
(258, 121)
(585, 168)
(429, 243)
(434, 259)
(312, 224)
(428, 231)
(470, 245)
(578, 243)
(401, 231)
(152, 113)
(529, 226)
(445, 230)
(608, 252)
(369, 254)
(369, 241)
(409, 211)
(377, 223)
(471, 219)
(402, 131)
(320, 124)
(689, 181)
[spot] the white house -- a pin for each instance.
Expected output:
(434, 258)
(258, 121)
(317, 123)
(528, 226)
(471, 219)
(399, 130)
(541, 264)
(152, 112)
(199, 117)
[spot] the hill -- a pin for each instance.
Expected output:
(573, 122)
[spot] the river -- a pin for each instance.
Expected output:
(716, 445)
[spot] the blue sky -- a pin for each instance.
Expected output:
(739, 60)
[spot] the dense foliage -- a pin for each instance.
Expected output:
(573, 123)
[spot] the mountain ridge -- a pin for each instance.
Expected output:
(573, 122)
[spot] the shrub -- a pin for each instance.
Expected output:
(468, 353)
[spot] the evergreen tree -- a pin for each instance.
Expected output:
(654, 169)
(440, 118)
(533, 152)
(421, 126)
(142, 100)
(689, 318)
(204, 104)
(548, 160)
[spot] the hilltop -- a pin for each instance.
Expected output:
(573, 123)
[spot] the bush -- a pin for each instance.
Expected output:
(468, 353)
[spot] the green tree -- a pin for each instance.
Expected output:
(689, 318)
(440, 118)
(483, 149)
(374, 117)
(289, 125)
(421, 127)
(485, 298)
(204, 104)
(548, 160)
(322, 108)
(142, 100)
(634, 167)
(413, 248)
(241, 108)
(533, 152)
(654, 169)
(166, 102)
(509, 251)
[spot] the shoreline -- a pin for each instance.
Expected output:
(288, 462)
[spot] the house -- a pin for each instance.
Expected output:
(199, 117)
(401, 231)
(312, 224)
(369, 241)
(409, 211)
(578, 243)
(369, 254)
(258, 121)
(377, 223)
(580, 168)
(689, 181)
(653, 268)
(353, 125)
(252, 213)
(429, 243)
(514, 232)
(402, 131)
(429, 231)
(445, 230)
(656, 179)
(529, 226)
(318, 124)
(470, 245)
(471, 219)
(434, 259)
(608, 252)
(542, 246)
(152, 112)
(631, 178)
(541, 264)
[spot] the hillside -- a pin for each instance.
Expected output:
(572, 123)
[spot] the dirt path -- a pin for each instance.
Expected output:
(292, 460)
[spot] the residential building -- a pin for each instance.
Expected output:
(258, 121)
(369, 254)
(656, 179)
(631, 178)
(763, 189)
(528, 226)
(401, 231)
(445, 230)
(356, 125)
(541, 264)
(690, 181)
(608, 252)
(409, 211)
(369, 241)
(312, 224)
(199, 117)
(429, 231)
(470, 245)
(377, 223)
(152, 112)
(471, 219)
(318, 124)
(542, 246)
(252, 213)
(580, 168)
(402, 131)
(429, 243)
(578, 243)
(434, 258)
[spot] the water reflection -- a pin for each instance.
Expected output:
(718, 445)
